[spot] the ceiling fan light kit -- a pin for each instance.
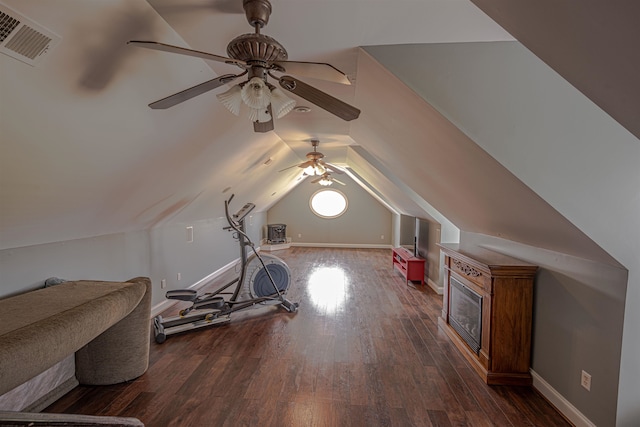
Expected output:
(281, 104)
(232, 99)
(316, 166)
(315, 169)
(256, 94)
(260, 115)
(325, 181)
(259, 55)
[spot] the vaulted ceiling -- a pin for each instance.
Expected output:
(83, 154)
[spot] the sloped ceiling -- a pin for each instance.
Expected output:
(83, 155)
(591, 43)
(456, 176)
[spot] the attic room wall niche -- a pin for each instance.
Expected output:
(364, 222)
(577, 323)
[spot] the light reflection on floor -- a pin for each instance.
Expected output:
(328, 288)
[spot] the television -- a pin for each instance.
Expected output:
(408, 237)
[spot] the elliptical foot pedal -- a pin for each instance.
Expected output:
(291, 307)
(211, 303)
(182, 294)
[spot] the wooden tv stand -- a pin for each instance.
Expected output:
(505, 286)
(411, 267)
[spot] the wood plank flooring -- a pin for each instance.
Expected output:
(364, 349)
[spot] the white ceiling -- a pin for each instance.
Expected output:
(83, 155)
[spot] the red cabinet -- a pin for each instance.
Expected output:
(411, 267)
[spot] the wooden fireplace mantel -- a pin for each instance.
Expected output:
(506, 287)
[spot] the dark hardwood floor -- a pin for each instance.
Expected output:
(364, 349)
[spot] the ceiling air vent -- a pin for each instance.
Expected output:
(23, 39)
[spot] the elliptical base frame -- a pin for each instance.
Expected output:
(211, 309)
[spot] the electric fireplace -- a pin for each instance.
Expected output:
(487, 305)
(465, 313)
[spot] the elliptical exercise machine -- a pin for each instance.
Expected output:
(263, 279)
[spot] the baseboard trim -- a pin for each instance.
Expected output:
(159, 308)
(275, 246)
(436, 288)
(342, 245)
(569, 411)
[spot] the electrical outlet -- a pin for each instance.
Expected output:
(179, 276)
(190, 234)
(299, 235)
(163, 284)
(585, 380)
(382, 237)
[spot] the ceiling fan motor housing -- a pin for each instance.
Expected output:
(256, 48)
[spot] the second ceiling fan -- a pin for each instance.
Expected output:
(326, 179)
(314, 165)
(259, 55)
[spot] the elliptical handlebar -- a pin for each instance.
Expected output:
(231, 222)
(236, 226)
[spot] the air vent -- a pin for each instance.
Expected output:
(23, 39)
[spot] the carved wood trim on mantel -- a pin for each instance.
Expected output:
(466, 268)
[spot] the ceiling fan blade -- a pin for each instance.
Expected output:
(184, 51)
(306, 164)
(224, 6)
(333, 168)
(316, 70)
(319, 98)
(287, 168)
(194, 91)
(316, 180)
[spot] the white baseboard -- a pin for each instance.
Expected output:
(433, 285)
(159, 308)
(342, 245)
(563, 405)
(275, 246)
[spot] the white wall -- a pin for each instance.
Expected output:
(114, 257)
(578, 317)
(212, 248)
(159, 253)
(557, 142)
(366, 221)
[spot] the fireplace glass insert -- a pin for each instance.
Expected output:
(465, 313)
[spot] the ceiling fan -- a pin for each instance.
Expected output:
(326, 179)
(314, 164)
(259, 55)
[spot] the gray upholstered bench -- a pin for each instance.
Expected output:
(105, 324)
